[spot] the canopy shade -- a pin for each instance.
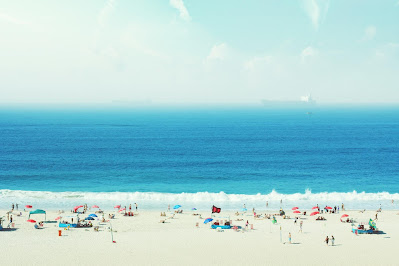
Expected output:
(38, 212)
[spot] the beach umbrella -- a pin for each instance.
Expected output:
(207, 220)
(244, 209)
(77, 207)
(194, 209)
(344, 215)
(328, 208)
(117, 206)
(176, 207)
(297, 212)
(95, 207)
(315, 207)
(93, 215)
(314, 213)
(89, 218)
(295, 208)
(31, 221)
(28, 206)
(59, 217)
(123, 209)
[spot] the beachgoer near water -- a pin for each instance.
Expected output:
(343, 207)
(137, 206)
(300, 226)
(332, 240)
(244, 206)
(130, 207)
(289, 238)
(267, 204)
(326, 240)
(168, 207)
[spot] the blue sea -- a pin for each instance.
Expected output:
(197, 157)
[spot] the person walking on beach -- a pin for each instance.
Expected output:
(130, 207)
(10, 219)
(12, 206)
(246, 225)
(326, 240)
(376, 218)
(137, 206)
(267, 204)
(168, 207)
(289, 238)
(332, 240)
(300, 226)
(244, 206)
(343, 207)
(16, 205)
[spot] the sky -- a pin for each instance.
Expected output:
(198, 51)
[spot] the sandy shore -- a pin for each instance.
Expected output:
(143, 240)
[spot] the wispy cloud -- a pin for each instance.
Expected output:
(308, 52)
(370, 32)
(218, 52)
(10, 19)
(251, 64)
(316, 10)
(179, 5)
(105, 12)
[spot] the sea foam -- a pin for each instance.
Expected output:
(199, 200)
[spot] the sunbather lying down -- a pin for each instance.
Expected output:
(239, 219)
(162, 221)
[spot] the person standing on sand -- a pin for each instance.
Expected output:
(326, 240)
(332, 240)
(376, 218)
(343, 207)
(10, 219)
(130, 207)
(137, 206)
(289, 238)
(300, 226)
(246, 225)
(267, 204)
(168, 207)
(244, 206)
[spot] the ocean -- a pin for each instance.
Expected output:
(196, 157)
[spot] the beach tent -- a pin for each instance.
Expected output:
(38, 212)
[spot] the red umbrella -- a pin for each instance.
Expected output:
(31, 221)
(117, 206)
(314, 213)
(59, 217)
(77, 207)
(122, 209)
(315, 207)
(297, 212)
(95, 207)
(295, 208)
(28, 206)
(345, 215)
(328, 208)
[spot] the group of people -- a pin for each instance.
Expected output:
(332, 239)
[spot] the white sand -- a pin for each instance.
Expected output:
(142, 240)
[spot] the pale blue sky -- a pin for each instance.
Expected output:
(185, 51)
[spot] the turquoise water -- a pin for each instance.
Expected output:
(153, 156)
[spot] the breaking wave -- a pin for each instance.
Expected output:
(200, 200)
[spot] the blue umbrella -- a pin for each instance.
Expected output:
(89, 218)
(207, 220)
(93, 215)
(176, 207)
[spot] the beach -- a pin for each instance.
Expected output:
(144, 240)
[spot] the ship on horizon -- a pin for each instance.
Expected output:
(305, 101)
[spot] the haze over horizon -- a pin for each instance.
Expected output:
(182, 51)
